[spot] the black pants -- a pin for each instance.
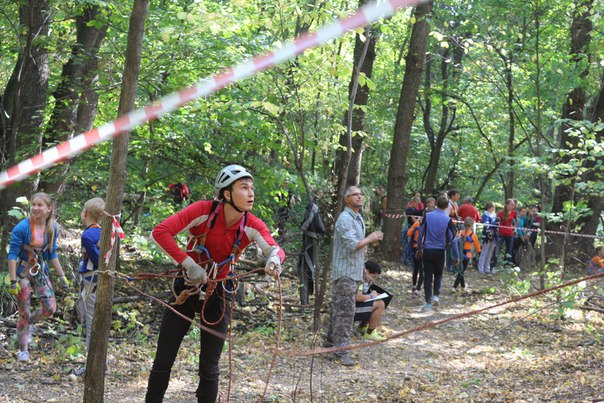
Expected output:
(418, 272)
(460, 278)
(434, 262)
(172, 331)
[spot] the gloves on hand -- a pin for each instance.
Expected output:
(196, 274)
(14, 288)
(275, 271)
(64, 282)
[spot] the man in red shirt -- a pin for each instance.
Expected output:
(218, 231)
(467, 209)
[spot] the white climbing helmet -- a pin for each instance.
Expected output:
(230, 174)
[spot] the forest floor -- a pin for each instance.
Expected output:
(531, 350)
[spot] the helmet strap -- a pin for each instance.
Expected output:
(231, 202)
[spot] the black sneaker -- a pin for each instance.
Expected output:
(345, 360)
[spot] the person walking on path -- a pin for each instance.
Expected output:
(436, 233)
(348, 262)
(32, 251)
(469, 241)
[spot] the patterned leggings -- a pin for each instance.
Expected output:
(48, 305)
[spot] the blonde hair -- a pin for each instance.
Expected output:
(49, 228)
(95, 208)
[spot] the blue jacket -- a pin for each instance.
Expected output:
(437, 232)
(490, 231)
(21, 236)
(90, 249)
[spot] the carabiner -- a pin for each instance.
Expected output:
(212, 270)
(34, 270)
(235, 286)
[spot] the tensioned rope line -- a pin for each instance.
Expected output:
(365, 15)
(301, 353)
(171, 274)
(523, 229)
(273, 363)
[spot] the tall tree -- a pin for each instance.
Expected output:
(24, 99)
(414, 64)
(450, 66)
(94, 386)
(75, 97)
(354, 118)
(574, 107)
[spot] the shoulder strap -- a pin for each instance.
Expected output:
(215, 210)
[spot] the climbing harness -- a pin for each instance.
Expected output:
(213, 269)
(38, 269)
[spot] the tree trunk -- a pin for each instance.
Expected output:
(94, 386)
(448, 113)
(595, 202)
(74, 91)
(23, 103)
(509, 79)
(364, 57)
(576, 99)
(402, 131)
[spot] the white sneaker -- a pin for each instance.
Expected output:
(453, 290)
(435, 300)
(23, 356)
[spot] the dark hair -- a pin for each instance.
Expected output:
(489, 205)
(442, 202)
(373, 267)
(452, 192)
(220, 194)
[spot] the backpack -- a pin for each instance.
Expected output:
(179, 192)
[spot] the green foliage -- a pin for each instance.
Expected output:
(8, 304)
(70, 346)
(287, 120)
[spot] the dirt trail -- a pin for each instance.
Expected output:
(518, 353)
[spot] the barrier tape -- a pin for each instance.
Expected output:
(115, 229)
(523, 229)
(364, 16)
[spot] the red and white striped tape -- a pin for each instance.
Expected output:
(69, 149)
(395, 216)
(116, 228)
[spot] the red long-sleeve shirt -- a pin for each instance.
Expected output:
(219, 239)
(506, 225)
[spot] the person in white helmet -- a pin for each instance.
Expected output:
(219, 231)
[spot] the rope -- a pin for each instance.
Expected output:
(168, 306)
(302, 353)
(278, 341)
(523, 229)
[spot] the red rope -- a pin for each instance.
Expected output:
(199, 325)
(278, 341)
(301, 353)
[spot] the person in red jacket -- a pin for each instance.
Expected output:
(218, 231)
(467, 209)
(507, 221)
